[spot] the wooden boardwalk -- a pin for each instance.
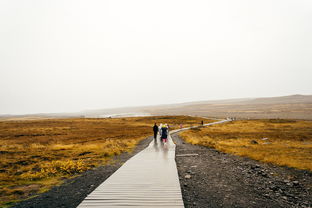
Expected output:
(148, 179)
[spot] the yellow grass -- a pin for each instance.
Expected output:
(288, 143)
(37, 154)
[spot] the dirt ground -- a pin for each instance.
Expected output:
(216, 179)
(73, 191)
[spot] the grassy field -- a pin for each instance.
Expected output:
(281, 142)
(38, 154)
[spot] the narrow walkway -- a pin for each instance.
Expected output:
(208, 124)
(148, 179)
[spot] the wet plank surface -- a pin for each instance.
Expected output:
(149, 179)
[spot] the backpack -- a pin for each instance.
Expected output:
(164, 133)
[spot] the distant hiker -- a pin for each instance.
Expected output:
(164, 133)
(202, 123)
(155, 129)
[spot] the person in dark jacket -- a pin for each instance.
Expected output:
(164, 133)
(155, 129)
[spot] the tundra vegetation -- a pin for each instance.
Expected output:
(38, 154)
(278, 141)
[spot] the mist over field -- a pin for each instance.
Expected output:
(285, 107)
(70, 56)
(155, 103)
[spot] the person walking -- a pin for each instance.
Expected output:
(155, 129)
(164, 133)
(159, 129)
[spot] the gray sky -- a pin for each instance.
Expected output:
(65, 56)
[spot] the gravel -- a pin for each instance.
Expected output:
(216, 179)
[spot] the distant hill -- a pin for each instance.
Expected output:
(265, 100)
(282, 100)
(290, 107)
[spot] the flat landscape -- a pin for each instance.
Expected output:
(282, 142)
(49, 159)
(39, 154)
(247, 163)
(212, 178)
(82, 84)
(285, 107)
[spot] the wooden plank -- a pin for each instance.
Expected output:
(149, 179)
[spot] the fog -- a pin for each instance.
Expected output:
(67, 56)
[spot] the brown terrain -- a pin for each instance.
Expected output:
(39, 154)
(212, 178)
(288, 107)
(278, 141)
(245, 163)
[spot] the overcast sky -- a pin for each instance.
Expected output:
(67, 56)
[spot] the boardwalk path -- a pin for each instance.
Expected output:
(149, 179)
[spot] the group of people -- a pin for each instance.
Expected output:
(163, 130)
